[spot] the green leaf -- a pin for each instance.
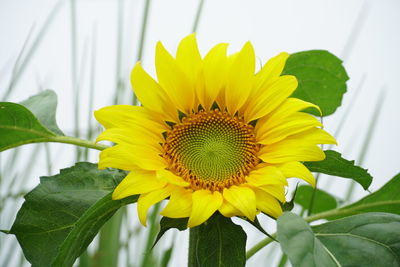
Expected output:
(367, 240)
(218, 242)
(32, 121)
(322, 79)
(44, 106)
(375, 236)
(298, 242)
(386, 199)
(323, 201)
(335, 165)
(170, 223)
(62, 215)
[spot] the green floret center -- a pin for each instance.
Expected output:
(211, 147)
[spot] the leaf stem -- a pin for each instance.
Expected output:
(76, 141)
(259, 246)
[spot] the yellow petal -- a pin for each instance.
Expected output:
(171, 178)
(267, 203)
(287, 108)
(174, 80)
(314, 136)
(123, 116)
(137, 182)
(277, 191)
(296, 123)
(151, 94)
(129, 157)
(188, 57)
(179, 205)
(119, 157)
(269, 73)
(133, 135)
(228, 210)
(298, 170)
(291, 150)
(266, 175)
(243, 199)
(271, 97)
(271, 70)
(240, 78)
(145, 201)
(205, 203)
(215, 76)
(148, 158)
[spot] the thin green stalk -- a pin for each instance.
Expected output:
(90, 131)
(144, 29)
(17, 63)
(198, 16)
(74, 74)
(36, 42)
(152, 233)
(120, 30)
(48, 158)
(166, 256)
(109, 243)
(367, 140)
(355, 31)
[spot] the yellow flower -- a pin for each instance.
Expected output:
(211, 135)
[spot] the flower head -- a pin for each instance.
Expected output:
(211, 135)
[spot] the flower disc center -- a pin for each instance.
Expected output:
(211, 150)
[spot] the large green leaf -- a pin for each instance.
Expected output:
(375, 236)
(386, 199)
(335, 165)
(218, 242)
(298, 242)
(31, 121)
(322, 79)
(62, 215)
(367, 240)
(323, 201)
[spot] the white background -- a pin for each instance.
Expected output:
(365, 34)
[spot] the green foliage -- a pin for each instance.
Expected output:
(375, 236)
(351, 241)
(31, 121)
(322, 79)
(299, 243)
(62, 215)
(335, 165)
(386, 199)
(323, 201)
(218, 242)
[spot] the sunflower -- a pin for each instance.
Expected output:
(211, 135)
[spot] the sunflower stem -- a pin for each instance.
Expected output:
(193, 237)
